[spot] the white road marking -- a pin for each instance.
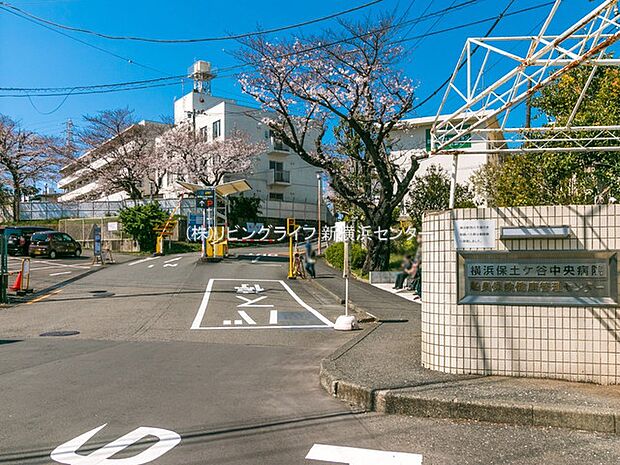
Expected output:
(226, 322)
(147, 259)
(62, 272)
(173, 260)
(305, 305)
(150, 266)
(252, 303)
(166, 440)
(246, 317)
(203, 306)
(356, 456)
(170, 264)
(273, 317)
(247, 289)
(200, 314)
(265, 327)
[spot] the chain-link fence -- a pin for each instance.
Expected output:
(272, 211)
(112, 235)
(99, 209)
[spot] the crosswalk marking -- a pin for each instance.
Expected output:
(273, 317)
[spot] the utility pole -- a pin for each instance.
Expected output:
(318, 210)
(69, 137)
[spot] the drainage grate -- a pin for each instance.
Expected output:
(59, 333)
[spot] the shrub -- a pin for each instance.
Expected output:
(335, 255)
(140, 222)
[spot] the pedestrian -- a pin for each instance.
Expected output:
(406, 266)
(310, 260)
(417, 270)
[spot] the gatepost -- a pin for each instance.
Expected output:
(290, 228)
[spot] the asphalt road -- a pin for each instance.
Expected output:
(195, 363)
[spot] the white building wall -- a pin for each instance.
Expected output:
(413, 139)
(232, 116)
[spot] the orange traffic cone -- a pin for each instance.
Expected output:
(17, 285)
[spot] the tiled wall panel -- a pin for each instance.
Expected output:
(573, 343)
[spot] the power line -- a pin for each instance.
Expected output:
(115, 55)
(87, 87)
(152, 83)
(194, 40)
(241, 66)
(502, 15)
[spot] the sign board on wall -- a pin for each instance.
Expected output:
(113, 226)
(474, 234)
(558, 278)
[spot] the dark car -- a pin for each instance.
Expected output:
(53, 244)
(18, 238)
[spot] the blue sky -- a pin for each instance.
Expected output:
(33, 56)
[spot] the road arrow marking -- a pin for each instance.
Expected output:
(67, 452)
(252, 302)
(170, 264)
(246, 317)
(355, 456)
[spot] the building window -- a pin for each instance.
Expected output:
(217, 129)
(276, 196)
(276, 165)
(203, 133)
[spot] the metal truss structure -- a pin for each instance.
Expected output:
(487, 106)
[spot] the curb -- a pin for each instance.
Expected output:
(365, 316)
(423, 406)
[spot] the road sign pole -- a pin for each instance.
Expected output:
(346, 322)
(203, 250)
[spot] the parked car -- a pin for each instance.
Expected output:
(18, 238)
(53, 244)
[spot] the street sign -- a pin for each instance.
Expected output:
(205, 198)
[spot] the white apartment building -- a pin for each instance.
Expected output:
(79, 179)
(286, 184)
(413, 137)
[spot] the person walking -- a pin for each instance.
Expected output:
(417, 270)
(310, 260)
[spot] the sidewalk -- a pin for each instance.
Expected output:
(380, 370)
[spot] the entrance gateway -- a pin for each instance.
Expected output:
(528, 291)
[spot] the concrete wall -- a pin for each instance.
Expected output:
(564, 342)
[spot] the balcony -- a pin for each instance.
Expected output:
(279, 147)
(279, 178)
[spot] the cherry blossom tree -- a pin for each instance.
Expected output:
(25, 158)
(194, 158)
(119, 153)
(349, 80)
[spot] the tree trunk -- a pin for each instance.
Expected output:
(17, 195)
(378, 258)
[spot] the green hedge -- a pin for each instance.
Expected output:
(335, 255)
